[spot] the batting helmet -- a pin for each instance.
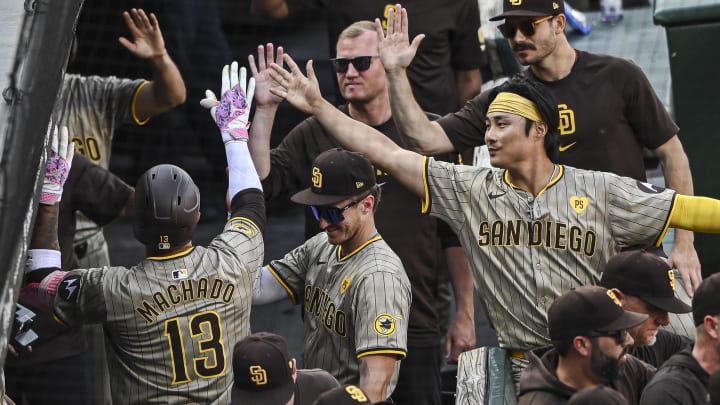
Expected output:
(167, 203)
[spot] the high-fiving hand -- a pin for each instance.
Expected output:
(300, 91)
(58, 165)
(396, 52)
(261, 74)
(232, 112)
(147, 41)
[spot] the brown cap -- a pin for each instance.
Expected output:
(530, 8)
(646, 276)
(263, 370)
(584, 310)
(347, 394)
(337, 174)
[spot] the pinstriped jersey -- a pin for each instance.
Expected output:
(527, 250)
(172, 322)
(356, 304)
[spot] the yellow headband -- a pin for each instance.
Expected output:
(514, 104)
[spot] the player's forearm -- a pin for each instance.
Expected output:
(375, 374)
(468, 83)
(678, 177)
(423, 136)
(168, 85)
(44, 234)
(259, 139)
(270, 8)
(461, 279)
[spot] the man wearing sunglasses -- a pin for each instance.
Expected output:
(590, 342)
(413, 236)
(355, 292)
(609, 111)
(645, 283)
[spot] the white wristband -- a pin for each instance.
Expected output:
(241, 174)
(42, 259)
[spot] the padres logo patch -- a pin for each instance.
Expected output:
(385, 324)
(671, 276)
(614, 297)
(258, 375)
(316, 177)
(579, 204)
(516, 2)
(345, 284)
(356, 393)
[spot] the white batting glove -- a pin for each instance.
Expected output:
(232, 112)
(58, 165)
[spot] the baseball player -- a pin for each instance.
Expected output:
(532, 229)
(354, 289)
(173, 319)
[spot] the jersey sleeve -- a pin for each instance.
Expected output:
(646, 113)
(116, 97)
(466, 128)
(241, 242)
(80, 297)
(381, 310)
(291, 270)
(638, 211)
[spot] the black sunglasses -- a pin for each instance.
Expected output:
(333, 215)
(361, 63)
(620, 336)
(527, 27)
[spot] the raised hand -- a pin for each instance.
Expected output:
(58, 165)
(232, 112)
(147, 41)
(302, 92)
(396, 52)
(261, 74)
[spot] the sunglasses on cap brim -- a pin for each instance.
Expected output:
(361, 63)
(527, 27)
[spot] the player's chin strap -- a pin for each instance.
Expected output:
(41, 294)
(699, 214)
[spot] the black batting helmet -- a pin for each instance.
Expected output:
(167, 203)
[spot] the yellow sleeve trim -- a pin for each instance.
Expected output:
(699, 214)
(246, 220)
(426, 198)
(133, 104)
(400, 353)
(172, 256)
(282, 283)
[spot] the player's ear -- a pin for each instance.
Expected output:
(540, 129)
(582, 345)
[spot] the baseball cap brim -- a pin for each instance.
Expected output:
(672, 305)
(627, 320)
(279, 395)
(308, 197)
(519, 13)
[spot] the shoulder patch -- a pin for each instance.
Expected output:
(385, 324)
(649, 188)
(69, 288)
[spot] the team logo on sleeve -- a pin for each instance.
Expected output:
(69, 288)
(243, 227)
(345, 284)
(385, 324)
(579, 204)
(649, 188)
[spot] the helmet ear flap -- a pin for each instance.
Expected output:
(167, 207)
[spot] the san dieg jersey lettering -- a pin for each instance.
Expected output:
(172, 322)
(526, 251)
(355, 305)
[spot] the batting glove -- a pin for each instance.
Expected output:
(232, 112)
(58, 165)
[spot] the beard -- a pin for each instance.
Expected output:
(605, 367)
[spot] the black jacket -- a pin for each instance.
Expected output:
(539, 384)
(679, 381)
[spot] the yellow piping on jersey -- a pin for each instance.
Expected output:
(173, 256)
(246, 220)
(426, 200)
(400, 353)
(282, 283)
(133, 105)
(349, 255)
(547, 186)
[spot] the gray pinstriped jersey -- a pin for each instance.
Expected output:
(172, 322)
(355, 306)
(526, 251)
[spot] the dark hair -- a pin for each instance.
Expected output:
(563, 346)
(546, 104)
(376, 191)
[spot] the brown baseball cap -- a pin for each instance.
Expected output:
(530, 8)
(646, 276)
(584, 310)
(347, 394)
(337, 175)
(263, 370)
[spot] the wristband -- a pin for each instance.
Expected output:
(42, 259)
